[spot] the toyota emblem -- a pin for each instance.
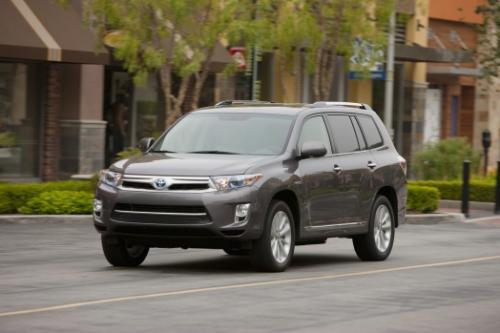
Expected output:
(160, 183)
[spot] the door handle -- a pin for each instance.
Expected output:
(337, 168)
(372, 165)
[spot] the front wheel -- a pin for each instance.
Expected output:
(274, 250)
(121, 254)
(377, 243)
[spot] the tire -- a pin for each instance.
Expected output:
(262, 255)
(236, 252)
(377, 244)
(120, 254)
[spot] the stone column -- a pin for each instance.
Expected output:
(50, 146)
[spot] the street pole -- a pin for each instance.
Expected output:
(389, 75)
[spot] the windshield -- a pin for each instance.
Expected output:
(226, 133)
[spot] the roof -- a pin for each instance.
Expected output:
(286, 109)
(44, 30)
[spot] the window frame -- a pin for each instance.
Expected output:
(327, 127)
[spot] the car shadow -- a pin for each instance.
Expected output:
(234, 264)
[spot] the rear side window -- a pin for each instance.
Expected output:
(372, 134)
(314, 129)
(343, 133)
(359, 134)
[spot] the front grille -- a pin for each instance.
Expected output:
(139, 185)
(160, 214)
(147, 183)
(160, 208)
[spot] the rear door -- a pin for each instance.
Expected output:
(350, 162)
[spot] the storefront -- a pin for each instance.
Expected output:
(20, 121)
(50, 114)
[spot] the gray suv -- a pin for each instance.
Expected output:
(256, 179)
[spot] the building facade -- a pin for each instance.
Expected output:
(67, 107)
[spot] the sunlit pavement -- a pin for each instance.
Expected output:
(440, 278)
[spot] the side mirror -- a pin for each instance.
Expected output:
(145, 144)
(312, 149)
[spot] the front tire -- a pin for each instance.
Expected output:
(273, 252)
(377, 243)
(120, 254)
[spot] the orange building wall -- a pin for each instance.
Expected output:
(455, 10)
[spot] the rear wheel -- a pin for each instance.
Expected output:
(377, 243)
(274, 250)
(122, 254)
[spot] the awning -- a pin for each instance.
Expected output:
(43, 30)
(428, 54)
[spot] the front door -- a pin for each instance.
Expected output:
(319, 180)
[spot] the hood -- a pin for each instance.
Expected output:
(156, 164)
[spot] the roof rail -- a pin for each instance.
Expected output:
(324, 104)
(241, 101)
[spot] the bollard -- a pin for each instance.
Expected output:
(465, 188)
(497, 197)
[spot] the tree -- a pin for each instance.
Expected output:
(170, 37)
(488, 51)
(324, 29)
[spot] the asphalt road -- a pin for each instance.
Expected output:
(440, 278)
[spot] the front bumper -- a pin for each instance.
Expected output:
(172, 230)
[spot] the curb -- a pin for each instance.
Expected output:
(435, 218)
(45, 219)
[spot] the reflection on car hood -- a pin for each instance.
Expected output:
(164, 164)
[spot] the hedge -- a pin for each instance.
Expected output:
(422, 199)
(14, 196)
(480, 190)
(59, 202)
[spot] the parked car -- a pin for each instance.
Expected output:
(256, 179)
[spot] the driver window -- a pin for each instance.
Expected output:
(314, 129)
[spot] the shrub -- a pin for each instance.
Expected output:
(479, 190)
(444, 159)
(13, 196)
(59, 202)
(422, 199)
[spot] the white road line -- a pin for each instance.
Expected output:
(244, 285)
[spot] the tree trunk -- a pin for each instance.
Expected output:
(166, 86)
(201, 78)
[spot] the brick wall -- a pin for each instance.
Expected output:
(50, 140)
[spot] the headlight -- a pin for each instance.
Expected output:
(226, 183)
(110, 178)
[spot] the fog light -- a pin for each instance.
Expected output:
(97, 206)
(242, 210)
(241, 214)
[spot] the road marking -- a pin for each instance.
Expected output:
(244, 285)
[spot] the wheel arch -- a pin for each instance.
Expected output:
(390, 193)
(290, 198)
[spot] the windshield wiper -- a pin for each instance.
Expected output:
(212, 152)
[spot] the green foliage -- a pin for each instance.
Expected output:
(422, 199)
(13, 196)
(488, 49)
(59, 202)
(8, 139)
(480, 190)
(128, 153)
(444, 159)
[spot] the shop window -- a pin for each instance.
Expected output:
(19, 120)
